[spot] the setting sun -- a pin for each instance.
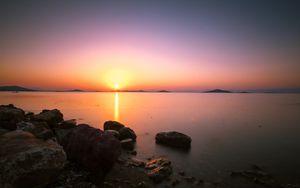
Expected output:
(117, 79)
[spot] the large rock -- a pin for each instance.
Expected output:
(38, 129)
(113, 125)
(126, 133)
(10, 116)
(26, 161)
(52, 117)
(127, 144)
(173, 139)
(68, 124)
(93, 149)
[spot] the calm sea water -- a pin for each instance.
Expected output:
(229, 131)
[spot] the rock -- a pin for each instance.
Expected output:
(68, 124)
(113, 125)
(175, 182)
(136, 162)
(126, 132)
(10, 116)
(173, 139)
(159, 174)
(3, 131)
(93, 149)
(51, 117)
(181, 173)
(127, 144)
(26, 161)
(133, 152)
(160, 169)
(61, 133)
(38, 129)
(115, 133)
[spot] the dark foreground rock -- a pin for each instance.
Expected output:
(10, 116)
(113, 125)
(173, 139)
(93, 149)
(127, 144)
(51, 117)
(26, 161)
(38, 129)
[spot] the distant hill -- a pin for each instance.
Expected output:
(164, 91)
(74, 90)
(218, 91)
(14, 88)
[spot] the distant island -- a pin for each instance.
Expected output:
(14, 88)
(218, 91)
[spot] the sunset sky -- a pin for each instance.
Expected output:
(175, 45)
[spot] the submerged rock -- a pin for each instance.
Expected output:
(113, 125)
(173, 139)
(93, 149)
(10, 116)
(26, 161)
(126, 133)
(160, 169)
(51, 117)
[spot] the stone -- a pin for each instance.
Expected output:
(3, 131)
(173, 139)
(26, 161)
(160, 169)
(126, 132)
(113, 125)
(92, 149)
(38, 129)
(51, 117)
(127, 144)
(115, 133)
(10, 116)
(67, 124)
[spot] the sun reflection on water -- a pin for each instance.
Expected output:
(116, 114)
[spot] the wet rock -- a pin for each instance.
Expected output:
(51, 117)
(61, 133)
(127, 144)
(173, 139)
(38, 129)
(160, 169)
(26, 161)
(115, 133)
(190, 179)
(136, 162)
(175, 182)
(126, 132)
(113, 125)
(10, 116)
(141, 184)
(160, 174)
(93, 149)
(133, 152)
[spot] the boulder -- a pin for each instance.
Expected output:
(93, 149)
(126, 133)
(160, 169)
(113, 125)
(26, 161)
(127, 144)
(10, 116)
(38, 129)
(51, 117)
(173, 139)
(113, 132)
(68, 124)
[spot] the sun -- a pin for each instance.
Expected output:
(117, 79)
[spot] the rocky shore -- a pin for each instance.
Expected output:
(44, 150)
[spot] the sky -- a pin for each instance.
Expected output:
(170, 44)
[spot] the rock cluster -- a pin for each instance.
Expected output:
(35, 148)
(126, 135)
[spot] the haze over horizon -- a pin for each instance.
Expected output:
(172, 45)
